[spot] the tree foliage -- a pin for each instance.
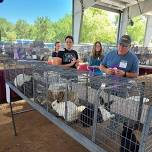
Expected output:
(43, 29)
(63, 27)
(96, 26)
(11, 36)
(137, 30)
(22, 29)
(5, 27)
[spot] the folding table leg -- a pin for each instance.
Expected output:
(13, 120)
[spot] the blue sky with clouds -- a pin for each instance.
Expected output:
(29, 10)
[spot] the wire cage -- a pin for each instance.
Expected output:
(145, 58)
(100, 108)
(3, 58)
(19, 74)
(129, 102)
(113, 113)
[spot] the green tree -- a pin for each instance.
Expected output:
(63, 27)
(5, 27)
(31, 32)
(97, 26)
(11, 36)
(137, 30)
(22, 29)
(44, 29)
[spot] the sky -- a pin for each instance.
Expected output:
(29, 10)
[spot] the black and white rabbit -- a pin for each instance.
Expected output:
(129, 139)
(87, 115)
(27, 88)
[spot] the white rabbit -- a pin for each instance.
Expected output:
(106, 115)
(20, 79)
(72, 110)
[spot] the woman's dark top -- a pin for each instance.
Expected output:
(54, 54)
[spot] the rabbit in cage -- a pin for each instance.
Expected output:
(57, 92)
(59, 96)
(73, 111)
(87, 115)
(130, 138)
(20, 79)
(27, 88)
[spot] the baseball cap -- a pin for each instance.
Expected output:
(125, 40)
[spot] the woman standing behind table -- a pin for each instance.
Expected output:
(68, 57)
(96, 58)
(56, 51)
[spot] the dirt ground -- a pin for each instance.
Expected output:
(35, 133)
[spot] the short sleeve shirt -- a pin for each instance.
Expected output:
(67, 56)
(54, 54)
(128, 62)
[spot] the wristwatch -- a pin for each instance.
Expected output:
(125, 74)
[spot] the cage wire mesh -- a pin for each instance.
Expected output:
(129, 102)
(144, 58)
(101, 108)
(19, 74)
(115, 113)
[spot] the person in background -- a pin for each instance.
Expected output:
(57, 49)
(55, 52)
(15, 51)
(96, 58)
(68, 57)
(136, 50)
(132, 48)
(121, 62)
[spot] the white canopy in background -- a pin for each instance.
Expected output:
(127, 9)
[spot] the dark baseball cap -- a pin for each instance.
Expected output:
(125, 40)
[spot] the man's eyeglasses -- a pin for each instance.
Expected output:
(123, 45)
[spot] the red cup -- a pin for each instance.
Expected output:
(83, 67)
(49, 62)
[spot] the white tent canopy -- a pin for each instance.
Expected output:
(126, 8)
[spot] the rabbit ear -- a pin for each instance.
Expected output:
(54, 103)
(101, 100)
(138, 126)
(124, 125)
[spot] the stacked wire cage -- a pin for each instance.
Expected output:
(113, 113)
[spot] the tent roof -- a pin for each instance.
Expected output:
(119, 5)
(116, 4)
